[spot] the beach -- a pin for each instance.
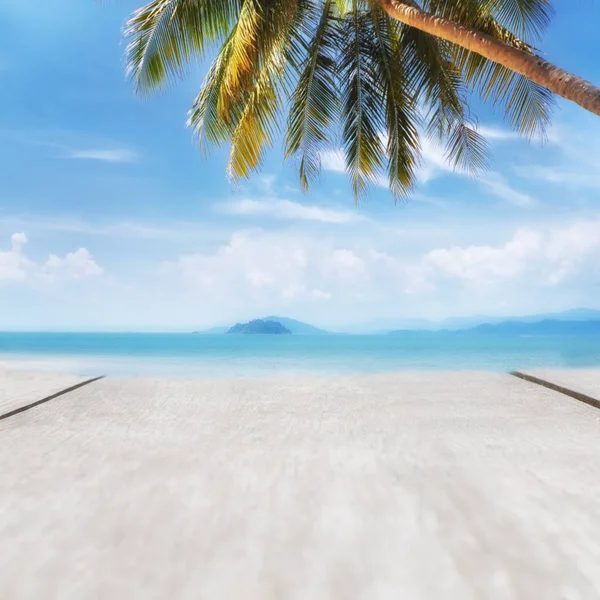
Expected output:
(414, 484)
(320, 323)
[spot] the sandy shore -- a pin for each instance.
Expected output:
(415, 485)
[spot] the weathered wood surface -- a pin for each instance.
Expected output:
(584, 381)
(19, 388)
(419, 486)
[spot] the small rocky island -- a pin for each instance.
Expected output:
(259, 326)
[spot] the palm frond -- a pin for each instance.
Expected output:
(401, 111)
(242, 80)
(205, 118)
(314, 101)
(272, 51)
(436, 82)
(258, 122)
(165, 34)
(262, 24)
(527, 19)
(363, 112)
(348, 70)
(467, 149)
(439, 87)
(527, 106)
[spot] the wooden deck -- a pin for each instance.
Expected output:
(413, 485)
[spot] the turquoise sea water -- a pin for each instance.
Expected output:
(127, 354)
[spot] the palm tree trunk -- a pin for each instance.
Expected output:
(533, 67)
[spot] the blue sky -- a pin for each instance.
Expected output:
(111, 219)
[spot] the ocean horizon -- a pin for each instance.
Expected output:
(219, 355)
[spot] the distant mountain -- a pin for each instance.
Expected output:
(463, 323)
(260, 326)
(576, 314)
(544, 327)
(297, 327)
(457, 324)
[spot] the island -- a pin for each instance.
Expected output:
(289, 325)
(260, 326)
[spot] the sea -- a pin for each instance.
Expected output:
(192, 355)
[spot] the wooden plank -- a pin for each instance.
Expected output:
(31, 405)
(581, 381)
(20, 388)
(413, 485)
(558, 388)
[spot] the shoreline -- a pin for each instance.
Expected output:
(236, 367)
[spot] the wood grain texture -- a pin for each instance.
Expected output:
(19, 388)
(418, 486)
(583, 381)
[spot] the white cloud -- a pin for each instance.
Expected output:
(18, 240)
(348, 275)
(434, 156)
(286, 209)
(436, 164)
(486, 263)
(74, 145)
(344, 264)
(119, 155)
(573, 178)
(75, 265)
(499, 187)
(14, 266)
(531, 256)
(570, 158)
(262, 272)
(498, 134)
(250, 260)
(320, 295)
(164, 229)
(333, 160)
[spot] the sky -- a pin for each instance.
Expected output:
(110, 218)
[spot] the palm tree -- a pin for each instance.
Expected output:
(371, 76)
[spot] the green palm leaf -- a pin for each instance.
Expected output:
(239, 98)
(440, 89)
(527, 106)
(257, 123)
(165, 34)
(467, 149)
(353, 76)
(314, 102)
(401, 112)
(207, 117)
(363, 112)
(527, 19)
(265, 53)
